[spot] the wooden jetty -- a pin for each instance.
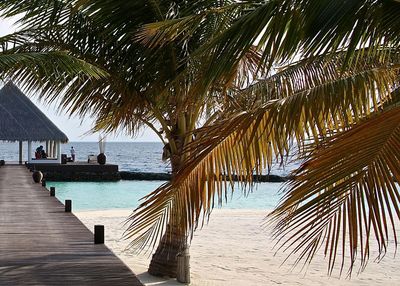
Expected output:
(41, 244)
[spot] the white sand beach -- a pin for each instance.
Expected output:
(234, 250)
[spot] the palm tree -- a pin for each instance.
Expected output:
(333, 89)
(332, 76)
(145, 86)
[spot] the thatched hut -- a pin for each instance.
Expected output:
(23, 121)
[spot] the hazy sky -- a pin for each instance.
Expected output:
(73, 127)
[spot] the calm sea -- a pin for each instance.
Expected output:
(126, 195)
(139, 157)
(130, 156)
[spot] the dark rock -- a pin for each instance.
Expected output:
(140, 176)
(82, 176)
(77, 173)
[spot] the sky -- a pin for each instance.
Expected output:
(75, 128)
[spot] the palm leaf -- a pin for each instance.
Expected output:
(246, 143)
(315, 71)
(285, 30)
(160, 33)
(344, 194)
(40, 68)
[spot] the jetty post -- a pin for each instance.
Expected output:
(52, 191)
(99, 234)
(68, 206)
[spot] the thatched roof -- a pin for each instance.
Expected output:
(21, 120)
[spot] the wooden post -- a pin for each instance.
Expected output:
(49, 149)
(183, 266)
(43, 183)
(20, 152)
(54, 149)
(59, 152)
(98, 234)
(29, 152)
(68, 206)
(52, 191)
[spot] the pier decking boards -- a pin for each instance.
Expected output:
(40, 244)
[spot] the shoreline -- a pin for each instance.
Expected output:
(233, 249)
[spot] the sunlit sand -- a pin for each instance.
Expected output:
(233, 249)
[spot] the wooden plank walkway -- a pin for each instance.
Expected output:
(40, 244)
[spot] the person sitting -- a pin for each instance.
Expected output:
(39, 151)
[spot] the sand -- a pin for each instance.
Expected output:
(233, 249)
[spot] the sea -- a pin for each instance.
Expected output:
(129, 156)
(139, 157)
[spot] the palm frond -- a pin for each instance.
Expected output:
(312, 72)
(247, 142)
(159, 34)
(285, 30)
(69, 29)
(344, 195)
(39, 69)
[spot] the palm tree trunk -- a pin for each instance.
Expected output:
(164, 261)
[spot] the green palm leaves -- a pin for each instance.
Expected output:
(51, 72)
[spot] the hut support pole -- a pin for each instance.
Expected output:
(29, 152)
(20, 152)
(58, 147)
(47, 148)
(54, 148)
(50, 152)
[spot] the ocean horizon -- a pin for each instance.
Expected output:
(129, 156)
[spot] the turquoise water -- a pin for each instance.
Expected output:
(126, 195)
